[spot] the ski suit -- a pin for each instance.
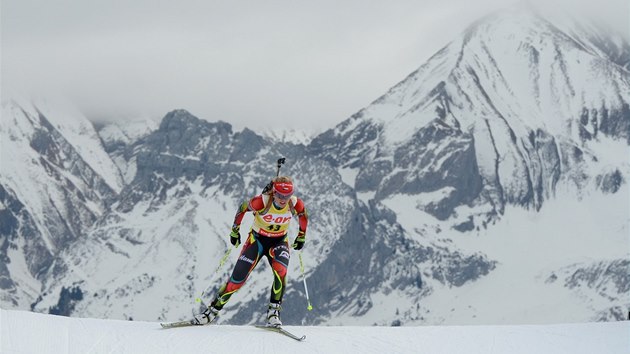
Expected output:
(267, 237)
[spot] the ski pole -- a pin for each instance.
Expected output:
(221, 263)
(308, 301)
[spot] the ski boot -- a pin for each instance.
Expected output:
(273, 315)
(208, 316)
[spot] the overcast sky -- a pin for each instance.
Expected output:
(295, 64)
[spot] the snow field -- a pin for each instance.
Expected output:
(28, 332)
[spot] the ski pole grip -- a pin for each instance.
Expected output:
(280, 163)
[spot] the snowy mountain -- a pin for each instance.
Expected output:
(514, 113)
(293, 136)
(508, 110)
(80, 335)
(171, 220)
(56, 181)
(498, 170)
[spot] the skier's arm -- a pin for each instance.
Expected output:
(302, 215)
(254, 204)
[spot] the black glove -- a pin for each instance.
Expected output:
(298, 243)
(268, 188)
(235, 235)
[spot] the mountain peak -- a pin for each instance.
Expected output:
(534, 24)
(178, 117)
(181, 120)
(518, 94)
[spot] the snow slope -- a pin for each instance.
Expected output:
(533, 251)
(55, 334)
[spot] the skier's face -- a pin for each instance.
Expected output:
(281, 200)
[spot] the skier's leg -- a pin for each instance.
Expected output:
(278, 257)
(247, 261)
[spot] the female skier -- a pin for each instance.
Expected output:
(273, 211)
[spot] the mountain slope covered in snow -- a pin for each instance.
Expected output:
(56, 181)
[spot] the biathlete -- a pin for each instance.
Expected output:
(273, 212)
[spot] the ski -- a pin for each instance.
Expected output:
(282, 331)
(187, 323)
(177, 324)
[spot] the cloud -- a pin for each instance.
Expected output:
(257, 64)
(614, 14)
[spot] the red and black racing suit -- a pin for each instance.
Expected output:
(268, 237)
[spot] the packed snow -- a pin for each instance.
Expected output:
(27, 332)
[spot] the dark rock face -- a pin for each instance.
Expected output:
(603, 276)
(67, 300)
(437, 157)
(611, 182)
